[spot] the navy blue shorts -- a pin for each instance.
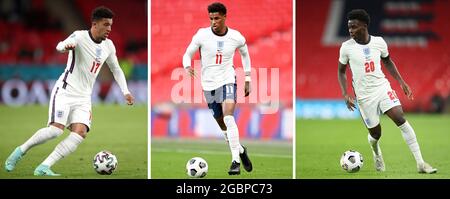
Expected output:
(215, 98)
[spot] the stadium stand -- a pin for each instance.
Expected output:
(267, 29)
(129, 34)
(32, 31)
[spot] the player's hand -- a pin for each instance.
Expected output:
(191, 72)
(69, 46)
(407, 90)
(350, 102)
(129, 98)
(247, 88)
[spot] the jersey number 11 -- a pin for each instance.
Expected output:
(219, 58)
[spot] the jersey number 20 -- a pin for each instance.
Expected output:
(369, 66)
(392, 95)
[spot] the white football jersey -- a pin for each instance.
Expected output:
(364, 61)
(85, 61)
(217, 54)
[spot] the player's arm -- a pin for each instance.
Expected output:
(390, 66)
(245, 57)
(67, 44)
(187, 57)
(119, 76)
(342, 78)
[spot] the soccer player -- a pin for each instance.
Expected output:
(70, 102)
(374, 95)
(217, 45)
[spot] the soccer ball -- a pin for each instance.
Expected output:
(105, 162)
(196, 167)
(351, 161)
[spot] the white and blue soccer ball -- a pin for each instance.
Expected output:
(351, 161)
(197, 167)
(105, 162)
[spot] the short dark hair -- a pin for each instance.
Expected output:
(101, 12)
(360, 15)
(217, 7)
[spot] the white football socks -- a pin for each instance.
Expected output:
(410, 138)
(374, 145)
(233, 137)
(64, 148)
(41, 136)
(225, 135)
(241, 149)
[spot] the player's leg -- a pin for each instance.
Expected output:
(373, 137)
(371, 117)
(63, 149)
(222, 126)
(57, 118)
(80, 120)
(42, 135)
(58, 114)
(214, 104)
(238, 151)
(397, 115)
(233, 136)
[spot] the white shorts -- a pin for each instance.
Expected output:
(381, 101)
(67, 109)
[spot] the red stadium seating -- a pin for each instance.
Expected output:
(24, 44)
(130, 23)
(266, 27)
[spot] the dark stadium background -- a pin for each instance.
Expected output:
(30, 31)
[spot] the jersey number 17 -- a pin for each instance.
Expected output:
(95, 66)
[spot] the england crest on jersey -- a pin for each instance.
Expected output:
(59, 114)
(98, 54)
(220, 45)
(366, 51)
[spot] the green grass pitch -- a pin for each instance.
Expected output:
(320, 144)
(119, 129)
(270, 159)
